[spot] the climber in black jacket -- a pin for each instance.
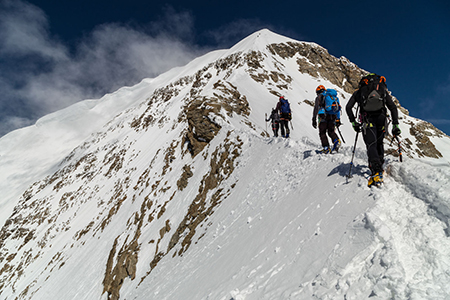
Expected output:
(373, 98)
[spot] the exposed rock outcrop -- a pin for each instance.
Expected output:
(317, 62)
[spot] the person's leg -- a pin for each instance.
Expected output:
(283, 134)
(288, 132)
(331, 125)
(323, 134)
(381, 122)
(370, 139)
(275, 128)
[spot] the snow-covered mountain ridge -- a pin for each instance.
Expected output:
(173, 189)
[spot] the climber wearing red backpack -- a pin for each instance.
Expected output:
(328, 108)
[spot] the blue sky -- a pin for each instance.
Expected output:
(54, 53)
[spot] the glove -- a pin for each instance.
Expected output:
(356, 126)
(314, 123)
(396, 130)
(338, 123)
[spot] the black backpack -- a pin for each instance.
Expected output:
(373, 92)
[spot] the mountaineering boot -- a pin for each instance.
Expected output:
(336, 145)
(325, 150)
(376, 179)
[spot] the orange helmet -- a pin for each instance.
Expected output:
(320, 89)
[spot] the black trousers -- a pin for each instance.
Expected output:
(374, 129)
(275, 128)
(327, 125)
(284, 124)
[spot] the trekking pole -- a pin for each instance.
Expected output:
(265, 119)
(353, 155)
(354, 149)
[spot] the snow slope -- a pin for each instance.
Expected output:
(296, 229)
(108, 198)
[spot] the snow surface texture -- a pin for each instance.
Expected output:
(289, 225)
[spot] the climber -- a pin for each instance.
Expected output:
(372, 98)
(275, 117)
(327, 107)
(284, 109)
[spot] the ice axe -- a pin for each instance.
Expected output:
(340, 134)
(399, 149)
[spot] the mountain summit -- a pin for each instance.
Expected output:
(175, 189)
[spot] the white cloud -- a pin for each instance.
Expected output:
(42, 75)
(15, 122)
(24, 31)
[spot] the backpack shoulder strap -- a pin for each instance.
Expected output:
(322, 100)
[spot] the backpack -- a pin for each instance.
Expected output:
(275, 116)
(373, 91)
(285, 107)
(331, 102)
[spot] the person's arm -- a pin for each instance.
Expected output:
(315, 111)
(393, 108)
(316, 107)
(349, 108)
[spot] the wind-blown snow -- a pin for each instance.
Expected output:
(290, 226)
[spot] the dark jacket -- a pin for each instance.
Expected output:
(274, 116)
(318, 106)
(357, 98)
